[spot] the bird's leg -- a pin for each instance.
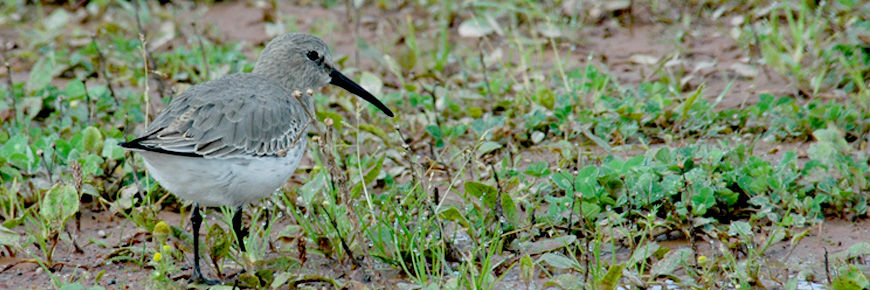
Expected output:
(237, 227)
(196, 221)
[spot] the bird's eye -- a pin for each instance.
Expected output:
(312, 55)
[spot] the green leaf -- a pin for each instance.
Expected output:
(510, 210)
(611, 279)
(92, 140)
(219, 241)
(57, 20)
(851, 278)
(547, 245)
(59, 203)
(857, 250)
(313, 186)
(369, 177)
(643, 253)
(280, 279)
(75, 90)
(453, 214)
(590, 210)
(539, 169)
(703, 200)
(527, 268)
(9, 237)
(589, 172)
(111, 150)
(487, 147)
(484, 192)
(671, 262)
(91, 165)
(374, 130)
(564, 181)
(741, 228)
(337, 120)
(42, 72)
(558, 261)
(663, 155)
(566, 281)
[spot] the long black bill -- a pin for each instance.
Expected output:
(343, 82)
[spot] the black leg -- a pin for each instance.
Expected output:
(196, 221)
(237, 227)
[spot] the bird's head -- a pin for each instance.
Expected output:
(303, 61)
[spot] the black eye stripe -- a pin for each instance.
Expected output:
(312, 55)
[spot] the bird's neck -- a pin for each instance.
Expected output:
(288, 81)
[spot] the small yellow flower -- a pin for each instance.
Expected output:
(157, 257)
(161, 231)
(702, 259)
(166, 248)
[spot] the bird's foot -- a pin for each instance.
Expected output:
(198, 278)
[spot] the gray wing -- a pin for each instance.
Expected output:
(236, 115)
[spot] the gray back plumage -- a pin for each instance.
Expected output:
(246, 114)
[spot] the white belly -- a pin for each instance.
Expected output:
(222, 182)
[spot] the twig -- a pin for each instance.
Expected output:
(150, 64)
(499, 210)
(341, 239)
(103, 69)
(483, 64)
(88, 101)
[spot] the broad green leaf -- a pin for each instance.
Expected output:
(663, 155)
(558, 261)
(487, 194)
(741, 228)
(703, 200)
(59, 203)
(42, 72)
(644, 252)
(280, 279)
(487, 147)
(590, 210)
(111, 150)
(856, 250)
(9, 237)
(589, 172)
(315, 185)
(564, 181)
(92, 140)
(850, 278)
(336, 118)
(611, 279)
(75, 89)
(566, 281)
(539, 169)
(671, 262)
(547, 245)
(453, 214)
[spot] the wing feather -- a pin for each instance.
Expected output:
(239, 114)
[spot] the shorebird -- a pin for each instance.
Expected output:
(236, 139)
